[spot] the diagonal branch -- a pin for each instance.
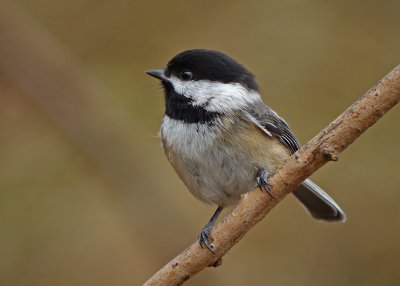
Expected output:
(255, 205)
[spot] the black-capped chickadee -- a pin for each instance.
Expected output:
(220, 137)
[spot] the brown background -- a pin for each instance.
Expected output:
(86, 195)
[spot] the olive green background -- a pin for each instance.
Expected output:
(87, 198)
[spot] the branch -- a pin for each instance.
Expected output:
(254, 206)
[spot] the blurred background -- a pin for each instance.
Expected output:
(86, 195)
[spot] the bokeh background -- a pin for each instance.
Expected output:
(86, 195)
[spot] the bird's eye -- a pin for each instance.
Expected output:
(186, 75)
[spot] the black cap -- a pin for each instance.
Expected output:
(211, 65)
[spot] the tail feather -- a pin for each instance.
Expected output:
(318, 203)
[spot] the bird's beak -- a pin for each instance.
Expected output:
(159, 74)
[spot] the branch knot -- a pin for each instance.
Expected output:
(330, 154)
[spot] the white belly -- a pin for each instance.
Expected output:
(214, 171)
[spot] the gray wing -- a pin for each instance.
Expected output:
(318, 203)
(271, 123)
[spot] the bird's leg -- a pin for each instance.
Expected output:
(205, 233)
(262, 181)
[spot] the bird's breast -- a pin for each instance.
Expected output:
(218, 162)
(189, 139)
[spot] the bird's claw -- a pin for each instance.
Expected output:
(205, 237)
(263, 182)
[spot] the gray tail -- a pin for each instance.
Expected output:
(318, 203)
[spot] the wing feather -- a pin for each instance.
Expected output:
(273, 125)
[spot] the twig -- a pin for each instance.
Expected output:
(255, 205)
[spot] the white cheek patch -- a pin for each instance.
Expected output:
(215, 96)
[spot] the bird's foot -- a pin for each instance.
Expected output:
(205, 238)
(205, 234)
(263, 182)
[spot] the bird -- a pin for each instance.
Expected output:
(222, 139)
